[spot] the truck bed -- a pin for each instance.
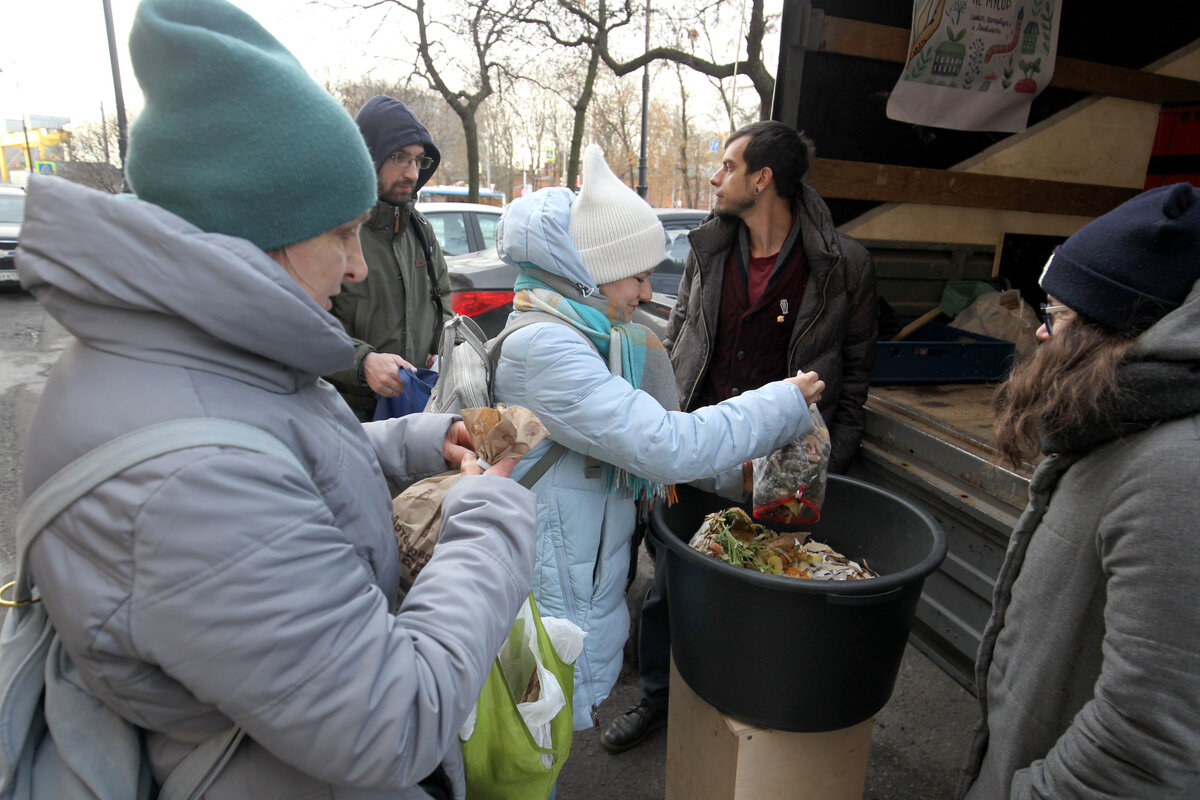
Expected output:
(933, 444)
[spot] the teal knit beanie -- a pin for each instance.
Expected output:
(235, 137)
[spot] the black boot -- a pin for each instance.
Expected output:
(629, 729)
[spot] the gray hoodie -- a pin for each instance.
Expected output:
(216, 585)
(1089, 669)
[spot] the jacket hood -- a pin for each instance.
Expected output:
(1175, 337)
(136, 280)
(388, 125)
(533, 230)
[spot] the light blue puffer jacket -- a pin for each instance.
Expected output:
(584, 534)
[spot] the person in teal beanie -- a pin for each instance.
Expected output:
(235, 137)
(217, 588)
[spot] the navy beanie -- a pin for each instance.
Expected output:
(1132, 266)
(235, 137)
(387, 125)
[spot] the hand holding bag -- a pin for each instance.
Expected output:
(789, 484)
(417, 511)
(418, 386)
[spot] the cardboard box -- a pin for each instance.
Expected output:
(711, 756)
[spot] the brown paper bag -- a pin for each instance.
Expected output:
(496, 434)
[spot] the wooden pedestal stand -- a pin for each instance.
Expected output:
(711, 756)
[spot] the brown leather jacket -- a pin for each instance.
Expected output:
(834, 332)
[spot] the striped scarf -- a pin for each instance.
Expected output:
(635, 343)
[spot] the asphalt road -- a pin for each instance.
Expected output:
(30, 341)
(920, 737)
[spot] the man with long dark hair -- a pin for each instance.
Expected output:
(770, 287)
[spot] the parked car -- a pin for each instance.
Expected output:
(481, 285)
(462, 228)
(12, 211)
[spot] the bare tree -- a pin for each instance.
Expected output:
(486, 26)
(499, 131)
(591, 25)
(616, 119)
(684, 165)
(579, 25)
(752, 66)
(93, 156)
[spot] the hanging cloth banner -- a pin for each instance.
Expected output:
(976, 65)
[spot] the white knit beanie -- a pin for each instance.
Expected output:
(616, 233)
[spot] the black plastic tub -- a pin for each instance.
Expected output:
(794, 654)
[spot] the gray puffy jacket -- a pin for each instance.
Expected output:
(217, 585)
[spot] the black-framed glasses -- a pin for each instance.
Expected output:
(401, 160)
(1048, 312)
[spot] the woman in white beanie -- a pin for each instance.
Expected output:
(605, 390)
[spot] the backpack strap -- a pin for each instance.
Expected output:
(553, 454)
(199, 768)
(192, 776)
(522, 320)
(435, 293)
(115, 456)
(556, 449)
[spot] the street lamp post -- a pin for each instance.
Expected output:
(642, 188)
(122, 127)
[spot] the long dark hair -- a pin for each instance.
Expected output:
(1063, 386)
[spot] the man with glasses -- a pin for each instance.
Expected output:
(395, 316)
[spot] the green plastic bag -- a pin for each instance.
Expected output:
(957, 295)
(501, 757)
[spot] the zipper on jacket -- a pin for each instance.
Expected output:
(707, 353)
(396, 220)
(821, 310)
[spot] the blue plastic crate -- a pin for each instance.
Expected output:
(938, 353)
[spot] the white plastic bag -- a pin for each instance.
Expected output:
(1002, 315)
(519, 658)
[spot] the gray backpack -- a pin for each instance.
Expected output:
(58, 741)
(467, 362)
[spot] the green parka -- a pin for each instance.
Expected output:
(393, 310)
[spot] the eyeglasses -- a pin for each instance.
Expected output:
(401, 160)
(1048, 312)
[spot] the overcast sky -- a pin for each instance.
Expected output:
(56, 62)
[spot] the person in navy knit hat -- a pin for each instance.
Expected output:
(1088, 672)
(1134, 264)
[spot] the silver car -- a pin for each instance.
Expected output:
(12, 212)
(462, 228)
